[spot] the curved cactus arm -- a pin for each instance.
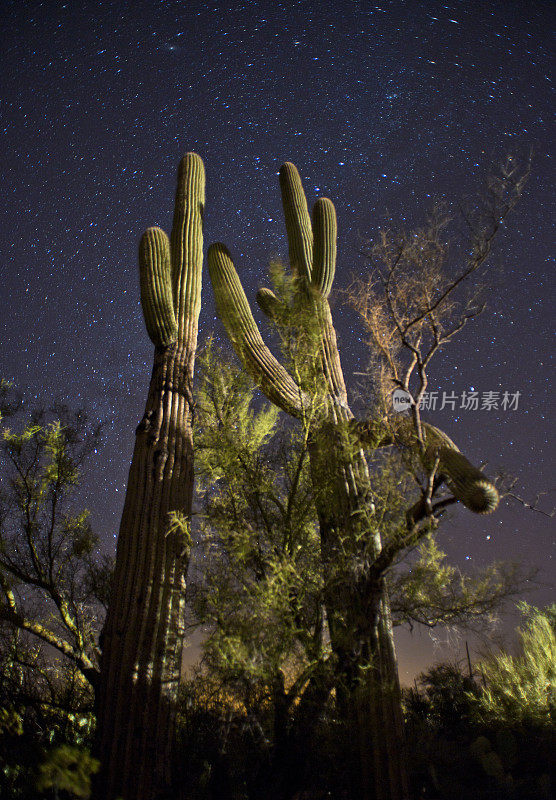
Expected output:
(325, 231)
(155, 279)
(298, 223)
(234, 311)
(186, 245)
(472, 487)
(466, 482)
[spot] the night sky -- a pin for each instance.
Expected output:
(382, 108)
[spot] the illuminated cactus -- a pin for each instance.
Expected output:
(355, 596)
(466, 482)
(142, 636)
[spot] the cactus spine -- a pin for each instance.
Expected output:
(355, 597)
(142, 636)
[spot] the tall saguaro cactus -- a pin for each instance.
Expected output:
(355, 597)
(142, 637)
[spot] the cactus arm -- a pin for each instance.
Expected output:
(466, 482)
(156, 287)
(312, 253)
(325, 231)
(186, 243)
(298, 223)
(322, 237)
(234, 311)
(472, 487)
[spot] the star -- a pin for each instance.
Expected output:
(384, 110)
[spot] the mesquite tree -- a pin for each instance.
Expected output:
(142, 637)
(355, 597)
(48, 569)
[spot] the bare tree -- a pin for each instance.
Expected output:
(413, 303)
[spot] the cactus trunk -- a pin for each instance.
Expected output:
(143, 633)
(357, 608)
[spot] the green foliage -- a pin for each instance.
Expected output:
(521, 689)
(69, 769)
(10, 722)
(48, 551)
(260, 587)
(455, 754)
(298, 329)
(179, 527)
(228, 421)
(441, 699)
(48, 704)
(50, 576)
(489, 734)
(428, 590)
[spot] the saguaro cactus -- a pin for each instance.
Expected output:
(142, 637)
(355, 596)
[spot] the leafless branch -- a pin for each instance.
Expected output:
(534, 506)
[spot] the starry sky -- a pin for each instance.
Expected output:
(384, 108)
